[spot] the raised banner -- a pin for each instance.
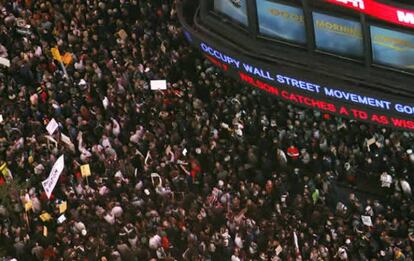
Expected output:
(50, 183)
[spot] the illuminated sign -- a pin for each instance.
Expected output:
(378, 10)
(347, 102)
(355, 3)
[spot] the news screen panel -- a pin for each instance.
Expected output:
(391, 45)
(282, 21)
(393, 48)
(235, 9)
(338, 35)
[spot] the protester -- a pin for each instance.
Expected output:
(205, 170)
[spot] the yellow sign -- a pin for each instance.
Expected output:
(56, 54)
(85, 170)
(63, 206)
(5, 171)
(28, 206)
(67, 58)
(45, 217)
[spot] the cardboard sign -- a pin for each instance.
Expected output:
(52, 126)
(56, 54)
(85, 170)
(158, 85)
(62, 207)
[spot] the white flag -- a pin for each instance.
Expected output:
(50, 183)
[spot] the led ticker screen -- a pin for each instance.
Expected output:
(345, 101)
(282, 21)
(374, 8)
(235, 9)
(338, 35)
(393, 48)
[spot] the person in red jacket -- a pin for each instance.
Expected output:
(293, 152)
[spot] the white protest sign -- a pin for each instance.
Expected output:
(52, 126)
(295, 240)
(66, 140)
(386, 180)
(367, 221)
(5, 62)
(105, 102)
(50, 183)
(61, 219)
(1, 118)
(158, 84)
(370, 142)
(278, 250)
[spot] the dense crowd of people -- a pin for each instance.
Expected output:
(205, 170)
